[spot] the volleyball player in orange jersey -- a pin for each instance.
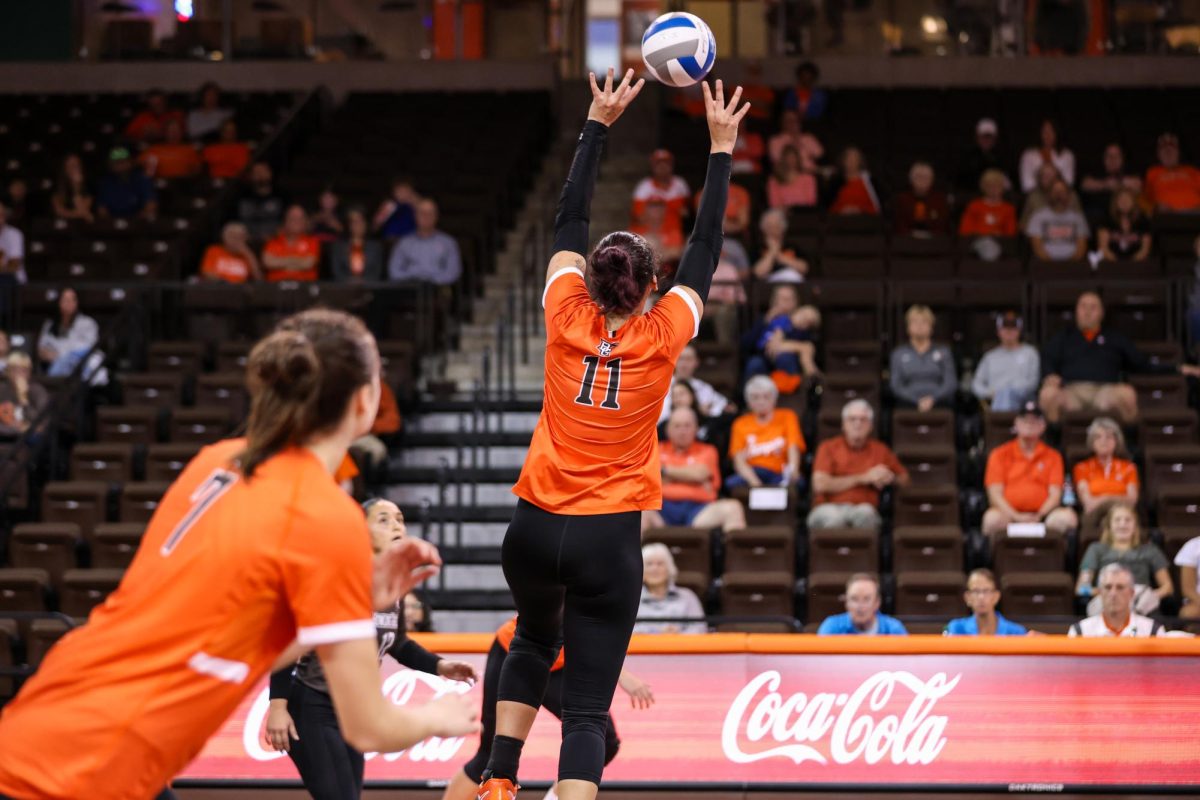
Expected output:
(253, 555)
(572, 554)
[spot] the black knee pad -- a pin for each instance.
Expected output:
(612, 746)
(527, 670)
(584, 746)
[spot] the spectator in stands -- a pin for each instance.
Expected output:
(1098, 190)
(417, 614)
(261, 208)
(778, 264)
(982, 595)
(922, 373)
(683, 396)
(426, 254)
(150, 124)
(396, 216)
(72, 199)
(16, 199)
(793, 135)
(293, 255)
(728, 292)
(371, 449)
(356, 257)
(172, 157)
(125, 192)
(663, 187)
(22, 401)
(852, 190)
(228, 156)
(66, 339)
(1007, 376)
(327, 219)
(1082, 367)
(662, 599)
(691, 478)
(1058, 232)
(1121, 543)
(1170, 185)
(12, 251)
(789, 185)
(1024, 480)
(206, 119)
(664, 236)
(983, 157)
(5, 349)
(989, 216)
(783, 344)
(737, 212)
(921, 210)
(1188, 561)
(748, 151)
(1126, 235)
(805, 97)
(1039, 198)
(862, 615)
(709, 402)
(766, 443)
(1107, 476)
(1048, 152)
(1117, 617)
(233, 260)
(850, 471)
(756, 91)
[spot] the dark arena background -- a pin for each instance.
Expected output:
(932, 201)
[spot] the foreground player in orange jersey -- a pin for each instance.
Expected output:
(572, 555)
(253, 555)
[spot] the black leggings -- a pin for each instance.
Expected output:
(552, 703)
(577, 583)
(330, 768)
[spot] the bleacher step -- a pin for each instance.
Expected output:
(457, 458)
(486, 494)
(467, 422)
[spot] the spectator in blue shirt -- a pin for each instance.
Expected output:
(982, 595)
(806, 97)
(125, 192)
(426, 254)
(862, 612)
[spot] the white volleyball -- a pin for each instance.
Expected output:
(679, 49)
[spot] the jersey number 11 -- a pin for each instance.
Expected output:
(592, 364)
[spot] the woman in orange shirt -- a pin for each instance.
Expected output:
(572, 555)
(1106, 477)
(990, 215)
(232, 261)
(173, 157)
(227, 157)
(254, 556)
(854, 192)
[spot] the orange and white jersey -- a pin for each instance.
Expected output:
(595, 448)
(229, 573)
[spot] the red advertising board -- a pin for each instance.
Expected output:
(763, 718)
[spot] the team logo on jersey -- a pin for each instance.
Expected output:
(606, 347)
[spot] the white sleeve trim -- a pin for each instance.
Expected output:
(555, 277)
(687, 298)
(336, 632)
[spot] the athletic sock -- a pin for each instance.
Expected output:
(506, 755)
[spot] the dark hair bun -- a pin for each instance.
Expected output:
(622, 268)
(286, 364)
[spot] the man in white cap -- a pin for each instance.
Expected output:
(982, 156)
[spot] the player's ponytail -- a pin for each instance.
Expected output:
(622, 267)
(302, 378)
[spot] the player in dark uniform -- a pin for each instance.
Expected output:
(301, 719)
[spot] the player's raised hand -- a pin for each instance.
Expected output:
(723, 118)
(608, 103)
(400, 568)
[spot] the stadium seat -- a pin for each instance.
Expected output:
(23, 589)
(1171, 465)
(8, 637)
(1169, 426)
(164, 462)
(929, 593)
(157, 389)
(761, 549)
(1178, 505)
(84, 503)
(843, 550)
(1074, 428)
(177, 357)
(926, 505)
(864, 356)
(49, 546)
(84, 589)
(104, 461)
(224, 389)
(203, 424)
(839, 388)
(912, 428)
(1037, 594)
(829, 424)
(997, 428)
(1028, 554)
(132, 424)
(232, 356)
(757, 594)
(826, 594)
(139, 500)
(43, 634)
(1160, 391)
(114, 544)
(927, 548)
(691, 548)
(214, 313)
(761, 517)
(928, 465)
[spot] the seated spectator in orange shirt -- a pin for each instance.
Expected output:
(232, 260)
(150, 124)
(691, 477)
(737, 210)
(765, 443)
(1106, 477)
(991, 214)
(1170, 185)
(173, 157)
(1024, 480)
(849, 472)
(663, 186)
(293, 254)
(655, 226)
(227, 157)
(748, 151)
(921, 210)
(756, 92)
(792, 134)
(789, 185)
(854, 192)
(371, 449)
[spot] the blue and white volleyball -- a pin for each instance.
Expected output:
(679, 49)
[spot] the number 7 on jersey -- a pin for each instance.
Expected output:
(591, 367)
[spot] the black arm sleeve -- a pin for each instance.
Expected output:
(413, 656)
(281, 683)
(575, 202)
(699, 260)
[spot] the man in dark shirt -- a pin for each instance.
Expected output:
(1083, 366)
(982, 156)
(125, 192)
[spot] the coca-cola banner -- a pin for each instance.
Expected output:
(749, 718)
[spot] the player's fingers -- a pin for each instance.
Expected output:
(634, 92)
(608, 81)
(595, 86)
(733, 103)
(625, 81)
(423, 574)
(708, 98)
(745, 110)
(292, 731)
(720, 98)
